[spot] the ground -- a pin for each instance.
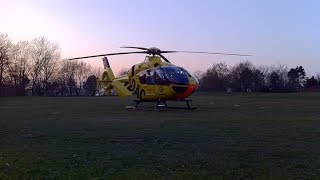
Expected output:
(236, 135)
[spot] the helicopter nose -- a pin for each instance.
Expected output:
(190, 90)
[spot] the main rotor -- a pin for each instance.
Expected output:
(156, 52)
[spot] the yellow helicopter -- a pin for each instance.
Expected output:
(154, 80)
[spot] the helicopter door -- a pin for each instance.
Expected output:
(161, 83)
(149, 86)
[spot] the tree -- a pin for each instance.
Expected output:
(275, 81)
(293, 79)
(246, 79)
(44, 55)
(81, 73)
(258, 80)
(53, 88)
(52, 55)
(96, 71)
(296, 78)
(61, 81)
(210, 80)
(5, 45)
(214, 79)
(311, 82)
(221, 72)
(72, 86)
(90, 85)
(72, 76)
(277, 78)
(302, 76)
(123, 72)
(241, 76)
(198, 74)
(19, 69)
(67, 77)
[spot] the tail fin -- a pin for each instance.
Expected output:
(108, 71)
(109, 81)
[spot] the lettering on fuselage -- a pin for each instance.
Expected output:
(161, 91)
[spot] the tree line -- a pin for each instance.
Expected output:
(35, 68)
(245, 77)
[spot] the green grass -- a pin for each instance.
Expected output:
(233, 135)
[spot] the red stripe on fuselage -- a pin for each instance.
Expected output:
(190, 90)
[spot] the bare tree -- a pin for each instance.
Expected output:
(82, 72)
(258, 79)
(215, 77)
(97, 71)
(198, 74)
(5, 45)
(52, 55)
(61, 78)
(71, 77)
(37, 53)
(68, 75)
(44, 55)
(277, 78)
(123, 72)
(19, 69)
(241, 76)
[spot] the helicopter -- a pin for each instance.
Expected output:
(156, 79)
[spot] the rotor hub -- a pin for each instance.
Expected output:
(154, 51)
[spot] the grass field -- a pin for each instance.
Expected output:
(229, 136)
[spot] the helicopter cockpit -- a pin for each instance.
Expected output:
(165, 75)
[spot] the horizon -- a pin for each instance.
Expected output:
(272, 32)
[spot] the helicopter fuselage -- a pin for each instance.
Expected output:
(154, 80)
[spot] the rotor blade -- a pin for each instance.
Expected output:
(164, 58)
(170, 51)
(197, 52)
(133, 47)
(202, 52)
(110, 54)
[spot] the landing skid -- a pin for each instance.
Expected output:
(162, 104)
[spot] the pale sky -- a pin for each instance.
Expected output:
(273, 31)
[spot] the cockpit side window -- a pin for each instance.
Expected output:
(142, 78)
(150, 77)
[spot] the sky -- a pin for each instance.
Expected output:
(274, 32)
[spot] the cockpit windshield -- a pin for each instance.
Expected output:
(165, 75)
(176, 75)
